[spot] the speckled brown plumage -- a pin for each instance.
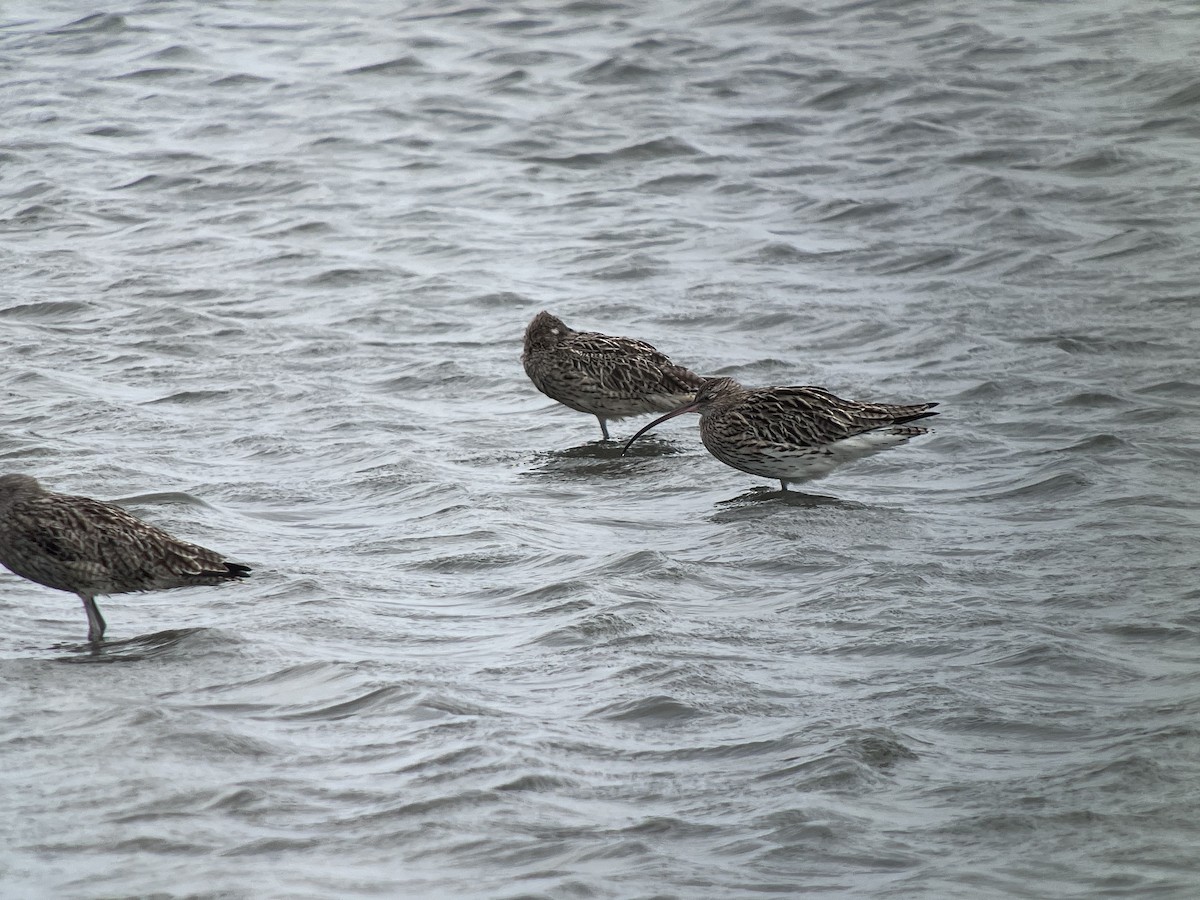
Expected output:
(793, 433)
(92, 548)
(609, 377)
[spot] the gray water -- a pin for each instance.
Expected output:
(266, 271)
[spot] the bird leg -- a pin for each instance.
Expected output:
(96, 623)
(603, 428)
(783, 486)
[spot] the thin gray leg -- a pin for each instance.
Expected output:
(96, 623)
(783, 485)
(603, 428)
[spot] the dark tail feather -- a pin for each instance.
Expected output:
(232, 570)
(925, 412)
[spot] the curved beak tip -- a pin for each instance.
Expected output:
(689, 407)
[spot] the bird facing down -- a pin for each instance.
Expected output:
(91, 548)
(609, 377)
(793, 433)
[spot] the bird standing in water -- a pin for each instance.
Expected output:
(91, 548)
(794, 434)
(609, 377)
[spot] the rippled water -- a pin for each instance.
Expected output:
(267, 267)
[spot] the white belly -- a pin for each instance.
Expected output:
(796, 464)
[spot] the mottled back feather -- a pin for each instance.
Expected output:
(803, 416)
(91, 548)
(609, 377)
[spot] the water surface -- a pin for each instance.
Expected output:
(267, 270)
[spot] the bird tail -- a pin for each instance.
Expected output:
(908, 431)
(231, 571)
(912, 413)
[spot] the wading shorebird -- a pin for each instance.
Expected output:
(92, 548)
(793, 433)
(609, 377)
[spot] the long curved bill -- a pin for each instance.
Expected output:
(686, 408)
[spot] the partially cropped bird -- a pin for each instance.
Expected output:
(609, 377)
(794, 434)
(92, 548)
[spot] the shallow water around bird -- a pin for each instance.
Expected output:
(267, 267)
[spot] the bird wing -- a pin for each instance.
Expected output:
(625, 365)
(102, 541)
(812, 416)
